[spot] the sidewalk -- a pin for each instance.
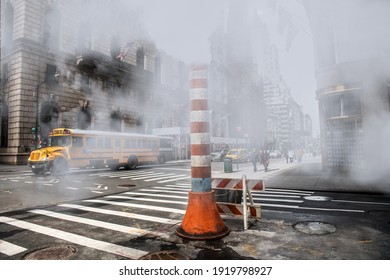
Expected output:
(307, 175)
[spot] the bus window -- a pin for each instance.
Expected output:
(117, 143)
(107, 142)
(99, 142)
(91, 142)
(77, 142)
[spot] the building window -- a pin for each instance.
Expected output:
(8, 25)
(116, 120)
(51, 30)
(84, 118)
(50, 75)
(157, 69)
(4, 126)
(342, 105)
(140, 58)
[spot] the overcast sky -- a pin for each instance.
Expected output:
(182, 29)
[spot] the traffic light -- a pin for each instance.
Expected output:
(33, 130)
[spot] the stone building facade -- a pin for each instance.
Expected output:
(77, 64)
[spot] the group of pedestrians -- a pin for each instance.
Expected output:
(291, 155)
(260, 156)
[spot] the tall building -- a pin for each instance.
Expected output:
(352, 51)
(79, 64)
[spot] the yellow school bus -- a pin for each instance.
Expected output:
(68, 148)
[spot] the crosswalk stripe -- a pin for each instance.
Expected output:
(96, 223)
(121, 214)
(149, 176)
(176, 179)
(147, 199)
(153, 194)
(10, 249)
(134, 205)
(127, 252)
(164, 177)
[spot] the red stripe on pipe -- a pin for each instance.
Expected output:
(201, 172)
(199, 127)
(199, 83)
(200, 149)
(199, 105)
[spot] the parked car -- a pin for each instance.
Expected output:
(242, 155)
(275, 154)
(218, 155)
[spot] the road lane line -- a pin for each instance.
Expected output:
(77, 239)
(10, 249)
(121, 214)
(165, 177)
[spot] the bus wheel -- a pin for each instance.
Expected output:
(38, 171)
(132, 162)
(113, 167)
(59, 167)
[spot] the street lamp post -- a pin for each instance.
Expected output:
(55, 76)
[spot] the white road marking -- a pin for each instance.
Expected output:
(177, 179)
(147, 199)
(165, 177)
(96, 223)
(77, 239)
(134, 205)
(10, 249)
(121, 214)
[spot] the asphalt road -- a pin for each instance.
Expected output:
(101, 214)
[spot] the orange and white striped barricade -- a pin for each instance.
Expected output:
(241, 207)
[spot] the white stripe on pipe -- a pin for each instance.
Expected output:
(198, 74)
(77, 239)
(200, 138)
(121, 214)
(96, 223)
(199, 116)
(10, 249)
(199, 94)
(201, 161)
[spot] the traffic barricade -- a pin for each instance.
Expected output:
(228, 189)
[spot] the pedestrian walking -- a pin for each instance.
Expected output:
(254, 159)
(291, 155)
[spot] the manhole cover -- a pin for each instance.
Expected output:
(315, 228)
(317, 198)
(60, 252)
(165, 255)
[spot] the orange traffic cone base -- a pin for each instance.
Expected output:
(202, 220)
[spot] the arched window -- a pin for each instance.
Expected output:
(3, 126)
(140, 58)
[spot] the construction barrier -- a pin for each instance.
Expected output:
(239, 207)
